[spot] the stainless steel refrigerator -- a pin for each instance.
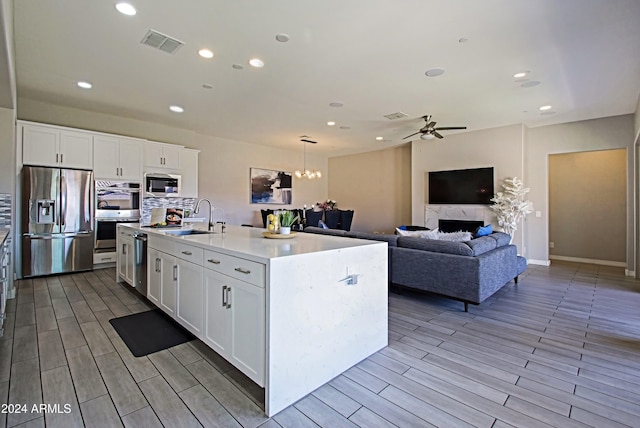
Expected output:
(57, 220)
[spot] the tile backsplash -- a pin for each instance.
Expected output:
(5, 210)
(149, 203)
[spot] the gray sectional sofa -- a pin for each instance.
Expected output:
(468, 271)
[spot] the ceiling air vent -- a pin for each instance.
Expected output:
(394, 116)
(161, 41)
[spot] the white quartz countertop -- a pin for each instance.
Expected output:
(249, 243)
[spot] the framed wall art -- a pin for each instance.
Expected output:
(270, 186)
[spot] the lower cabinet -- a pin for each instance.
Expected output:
(125, 261)
(161, 280)
(235, 322)
(190, 296)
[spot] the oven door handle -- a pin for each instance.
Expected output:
(119, 220)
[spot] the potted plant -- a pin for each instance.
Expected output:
(287, 219)
(510, 205)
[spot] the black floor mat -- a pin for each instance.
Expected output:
(148, 332)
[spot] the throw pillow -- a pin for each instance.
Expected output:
(483, 231)
(455, 236)
(405, 232)
(430, 234)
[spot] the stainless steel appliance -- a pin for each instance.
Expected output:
(140, 262)
(56, 224)
(161, 184)
(116, 202)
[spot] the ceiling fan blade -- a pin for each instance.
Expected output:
(430, 125)
(448, 128)
(436, 134)
(415, 133)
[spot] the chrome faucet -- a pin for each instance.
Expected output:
(210, 218)
(222, 223)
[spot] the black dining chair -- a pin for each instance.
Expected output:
(313, 217)
(331, 218)
(346, 218)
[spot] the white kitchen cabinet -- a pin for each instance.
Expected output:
(125, 258)
(161, 156)
(235, 322)
(189, 173)
(154, 275)
(56, 147)
(117, 158)
(190, 296)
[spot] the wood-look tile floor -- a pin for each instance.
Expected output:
(561, 349)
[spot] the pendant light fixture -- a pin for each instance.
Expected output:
(306, 173)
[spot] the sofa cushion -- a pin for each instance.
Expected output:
(501, 238)
(457, 248)
(455, 236)
(391, 240)
(482, 245)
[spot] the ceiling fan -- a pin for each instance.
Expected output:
(429, 130)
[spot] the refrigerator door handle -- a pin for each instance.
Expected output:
(63, 202)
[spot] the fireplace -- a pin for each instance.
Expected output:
(458, 225)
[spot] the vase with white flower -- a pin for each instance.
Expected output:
(510, 205)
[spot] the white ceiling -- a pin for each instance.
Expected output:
(370, 55)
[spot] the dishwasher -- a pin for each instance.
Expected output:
(140, 262)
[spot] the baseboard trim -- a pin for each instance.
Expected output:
(628, 272)
(589, 261)
(538, 262)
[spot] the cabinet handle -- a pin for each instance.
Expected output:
(61, 155)
(214, 261)
(57, 157)
(105, 258)
(187, 253)
(224, 289)
(157, 264)
(120, 172)
(175, 272)
(241, 270)
(124, 249)
(228, 295)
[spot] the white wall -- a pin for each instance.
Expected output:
(500, 148)
(615, 132)
(223, 166)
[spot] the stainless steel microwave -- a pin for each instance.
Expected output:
(161, 184)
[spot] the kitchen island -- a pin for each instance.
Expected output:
(291, 314)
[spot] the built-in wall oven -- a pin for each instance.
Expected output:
(116, 202)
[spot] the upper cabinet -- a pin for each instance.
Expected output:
(189, 173)
(50, 146)
(117, 158)
(161, 156)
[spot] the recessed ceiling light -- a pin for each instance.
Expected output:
(530, 84)
(379, 138)
(521, 74)
(282, 37)
(434, 72)
(205, 53)
(336, 104)
(85, 85)
(331, 123)
(176, 109)
(126, 9)
(545, 108)
(237, 66)
(255, 62)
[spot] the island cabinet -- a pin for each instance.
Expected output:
(125, 257)
(56, 147)
(117, 158)
(235, 312)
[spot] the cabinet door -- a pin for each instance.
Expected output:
(76, 150)
(154, 275)
(106, 158)
(40, 146)
(217, 328)
(248, 329)
(125, 258)
(153, 155)
(190, 296)
(130, 160)
(189, 173)
(171, 157)
(169, 274)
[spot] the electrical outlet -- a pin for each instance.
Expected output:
(552, 244)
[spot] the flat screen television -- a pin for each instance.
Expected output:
(461, 186)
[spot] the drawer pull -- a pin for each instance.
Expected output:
(187, 253)
(214, 261)
(241, 270)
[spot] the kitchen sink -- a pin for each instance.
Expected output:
(189, 232)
